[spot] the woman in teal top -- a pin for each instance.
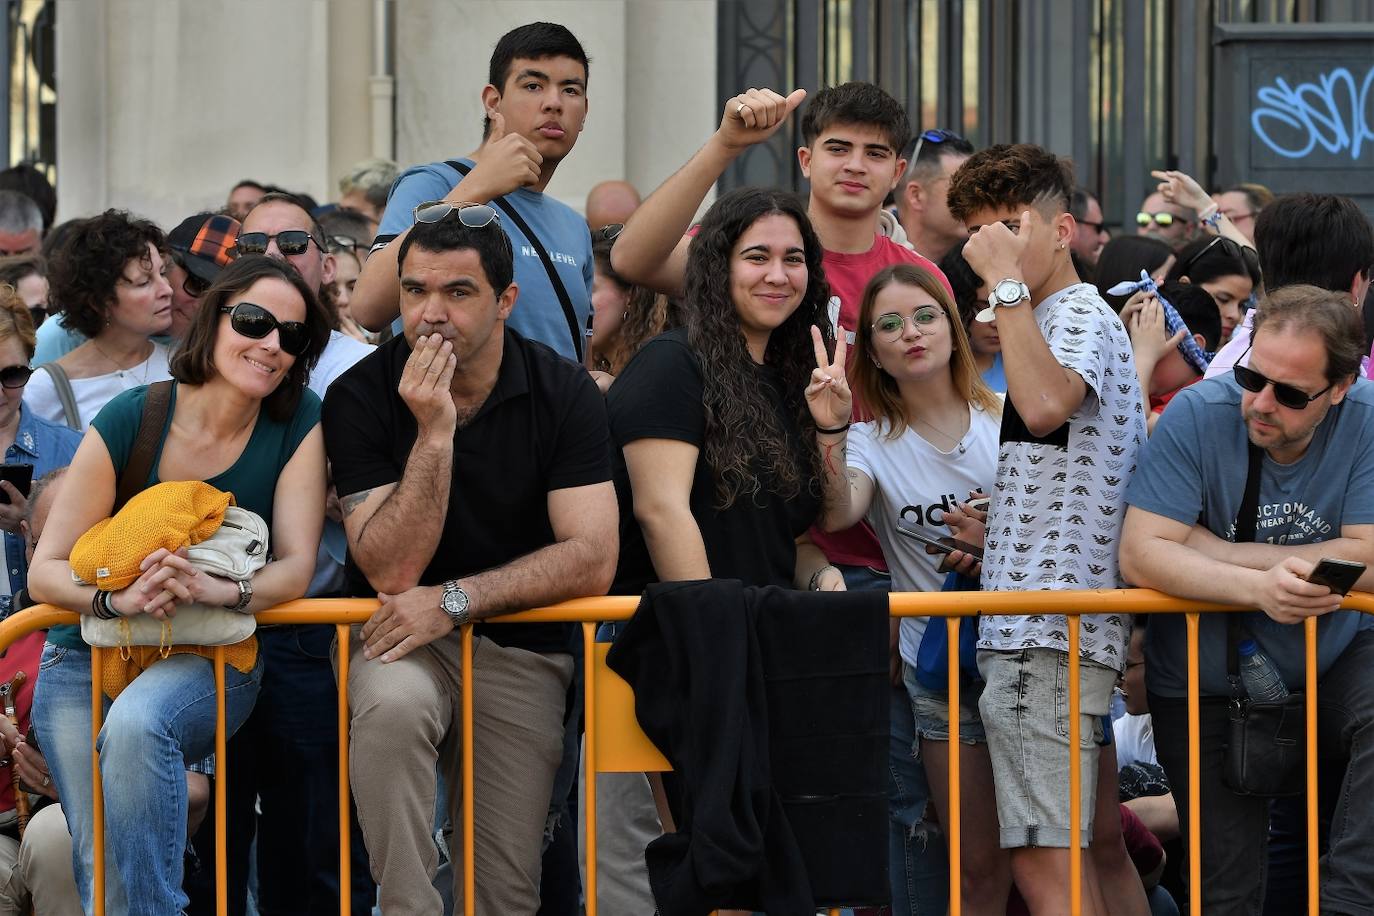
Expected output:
(242, 420)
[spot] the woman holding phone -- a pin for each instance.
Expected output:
(932, 442)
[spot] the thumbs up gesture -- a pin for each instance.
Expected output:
(754, 116)
(506, 161)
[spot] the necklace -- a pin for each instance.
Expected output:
(120, 369)
(957, 440)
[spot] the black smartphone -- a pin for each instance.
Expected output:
(1338, 575)
(21, 475)
(941, 542)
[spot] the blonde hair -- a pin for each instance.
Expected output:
(876, 389)
(15, 319)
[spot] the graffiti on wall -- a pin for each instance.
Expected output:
(1329, 113)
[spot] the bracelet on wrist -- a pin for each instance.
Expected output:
(834, 431)
(1212, 221)
(245, 596)
(101, 606)
(815, 584)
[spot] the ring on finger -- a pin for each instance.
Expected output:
(740, 109)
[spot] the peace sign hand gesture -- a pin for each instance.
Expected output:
(828, 394)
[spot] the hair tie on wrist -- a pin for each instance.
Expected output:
(837, 429)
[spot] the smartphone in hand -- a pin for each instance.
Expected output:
(1338, 575)
(20, 475)
(941, 542)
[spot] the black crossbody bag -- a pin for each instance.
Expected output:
(569, 314)
(1266, 742)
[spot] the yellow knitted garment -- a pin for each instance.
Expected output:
(173, 515)
(118, 671)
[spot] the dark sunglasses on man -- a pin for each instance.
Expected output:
(290, 243)
(255, 322)
(1287, 395)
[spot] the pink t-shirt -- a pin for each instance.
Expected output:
(848, 275)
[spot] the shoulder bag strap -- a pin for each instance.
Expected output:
(562, 291)
(1245, 533)
(140, 463)
(63, 386)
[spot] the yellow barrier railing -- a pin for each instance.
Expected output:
(589, 611)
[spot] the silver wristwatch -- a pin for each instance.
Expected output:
(455, 603)
(1004, 293)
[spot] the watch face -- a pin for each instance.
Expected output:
(455, 601)
(1008, 291)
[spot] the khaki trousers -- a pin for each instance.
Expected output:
(37, 874)
(407, 719)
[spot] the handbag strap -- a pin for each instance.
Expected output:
(559, 289)
(134, 478)
(62, 385)
(1245, 532)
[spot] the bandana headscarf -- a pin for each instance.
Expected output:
(1197, 357)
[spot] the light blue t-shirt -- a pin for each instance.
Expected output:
(1193, 469)
(995, 376)
(538, 314)
(54, 342)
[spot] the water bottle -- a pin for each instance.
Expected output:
(1259, 674)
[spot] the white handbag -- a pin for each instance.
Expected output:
(237, 550)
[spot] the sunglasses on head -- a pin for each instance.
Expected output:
(1161, 219)
(289, 243)
(15, 376)
(1230, 249)
(474, 216)
(256, 322)
(935, 136)
(1287, 395)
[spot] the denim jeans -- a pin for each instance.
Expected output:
(164, 720)
(287, 755)
(1235, 828)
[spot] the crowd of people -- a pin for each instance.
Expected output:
(938, 370)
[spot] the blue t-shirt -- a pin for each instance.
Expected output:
(538, 315)
(1193, 469)
(995, 376)
(52, 341)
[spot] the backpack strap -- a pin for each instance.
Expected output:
(135, 475)
(569, 314)
(65, 395)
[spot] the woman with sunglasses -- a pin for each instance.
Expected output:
(110, 278)
(25, 437)
(240, 419)
(1225, 269)
(932, 441)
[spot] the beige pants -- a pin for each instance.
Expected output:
(37, 873)
(627, 821)
(406, 719)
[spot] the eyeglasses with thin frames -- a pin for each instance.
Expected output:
(890, 325)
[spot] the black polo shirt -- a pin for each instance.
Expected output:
(542, 428)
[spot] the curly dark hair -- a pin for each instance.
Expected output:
(91, 260)
(194, 361)
(744, 437)
(1010, 175)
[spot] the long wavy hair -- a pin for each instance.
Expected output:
(877, 390)
(744, 437)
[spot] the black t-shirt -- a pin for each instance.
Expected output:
(542, 428)
(659, 396)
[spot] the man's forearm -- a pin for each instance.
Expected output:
(1039, 387)
(575, 568)
(1263, 555)
(1179, 570)
(398, 541)
(377, 296)
(659, 223)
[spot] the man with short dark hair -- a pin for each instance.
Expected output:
(921, 194)
(1090, 232)
(1324, 240)
(243, 197)
(439, 440)
(536, 105)
(21, 224)
(1295, 416)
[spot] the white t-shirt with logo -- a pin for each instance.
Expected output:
(1056, 514)
(916, 481)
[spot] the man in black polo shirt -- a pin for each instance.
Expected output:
(473, 467)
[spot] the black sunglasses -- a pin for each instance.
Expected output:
(934, 136)
(1236, 252)
(608, 233)
(256, 322)
(290, 243)
(474, 216)
(1285, 394)
(15, 376)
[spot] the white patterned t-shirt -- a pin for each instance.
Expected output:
(1056, 514)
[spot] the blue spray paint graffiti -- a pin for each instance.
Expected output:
(1330, 112)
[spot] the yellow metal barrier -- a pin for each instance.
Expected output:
(588, 611)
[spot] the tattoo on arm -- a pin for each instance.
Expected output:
(829, 450)
(352, 501)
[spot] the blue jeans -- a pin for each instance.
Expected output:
(162, 721)
(918, 862)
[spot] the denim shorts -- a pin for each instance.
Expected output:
(1025, 708)
(931, 709)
